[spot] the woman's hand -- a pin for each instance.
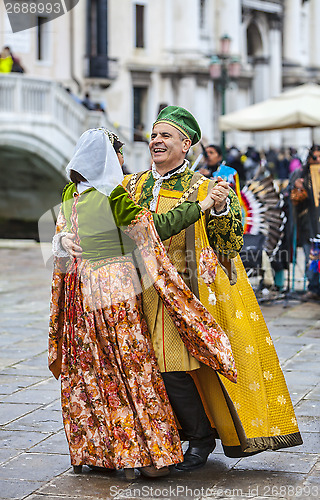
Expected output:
(217, 196)
(67, 241)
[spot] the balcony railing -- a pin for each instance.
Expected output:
(102, 66)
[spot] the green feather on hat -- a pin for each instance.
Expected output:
(181, 119)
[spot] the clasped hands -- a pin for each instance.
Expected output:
(216, 198)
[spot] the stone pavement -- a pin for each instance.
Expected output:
(33, 452)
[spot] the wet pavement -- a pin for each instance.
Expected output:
(33, 451)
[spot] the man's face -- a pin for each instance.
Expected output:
(213, 157)
(315, 161)
(167, 148)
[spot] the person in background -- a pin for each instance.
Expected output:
(214, 158)
(74, 96)
(6, 61)
(306, 217)
(282, 164)
(234, 161)
(16, 66)
(87, 102)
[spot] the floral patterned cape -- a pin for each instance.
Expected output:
(201, 334)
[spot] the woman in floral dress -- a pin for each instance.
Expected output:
(115, 408)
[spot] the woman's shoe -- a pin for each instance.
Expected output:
(97, 468)
(130, 474)
(77, 469)
(151, 471)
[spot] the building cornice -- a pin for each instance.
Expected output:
(263, 6)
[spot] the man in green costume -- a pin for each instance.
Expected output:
(168, 183)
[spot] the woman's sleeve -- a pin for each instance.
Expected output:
(61, 229)
(124, 210)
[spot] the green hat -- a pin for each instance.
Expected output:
(182, 120)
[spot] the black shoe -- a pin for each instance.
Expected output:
(195, 457)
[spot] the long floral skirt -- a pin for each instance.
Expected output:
(116, 412)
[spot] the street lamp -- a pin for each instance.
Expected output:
(224, 68)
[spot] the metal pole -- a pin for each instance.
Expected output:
(294, 255)
(224, 78)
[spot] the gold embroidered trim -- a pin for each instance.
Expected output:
(189, 191)
(132, 185)
(109, 260)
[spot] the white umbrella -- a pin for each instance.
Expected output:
(296, 108)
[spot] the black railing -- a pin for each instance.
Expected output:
(103, 66)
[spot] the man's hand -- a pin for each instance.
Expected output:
(219, 194)
(70, 246)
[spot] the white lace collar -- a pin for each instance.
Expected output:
(159, 180)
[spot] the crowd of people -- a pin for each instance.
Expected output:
(139, 355)
(87, 101)
(280, 163)
(294, 180)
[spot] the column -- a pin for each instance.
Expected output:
(230, 23)
(275, 46)
(291, 34)
(314, 55)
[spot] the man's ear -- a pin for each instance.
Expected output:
(186, 145)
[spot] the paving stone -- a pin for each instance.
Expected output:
(253, 483)
(57, 443)
(314, 394)
(311, 444)
(12, 411)
(305, 310)
(279, 461)
(308, 408)
(296, 393)
(285, 352)
(30, 396)
(17, 489)
(50, 384)
(301, 379)
(309, 424)
(35, 467)
(8, 453)
(297, 365)
(277, 331)
(87, 485)
(53, 497)
(314, 333)
(26, 369)
(13, 382)
(41, 420)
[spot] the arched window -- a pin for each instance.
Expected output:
(254, 41)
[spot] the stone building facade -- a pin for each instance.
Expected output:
(133, 55)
